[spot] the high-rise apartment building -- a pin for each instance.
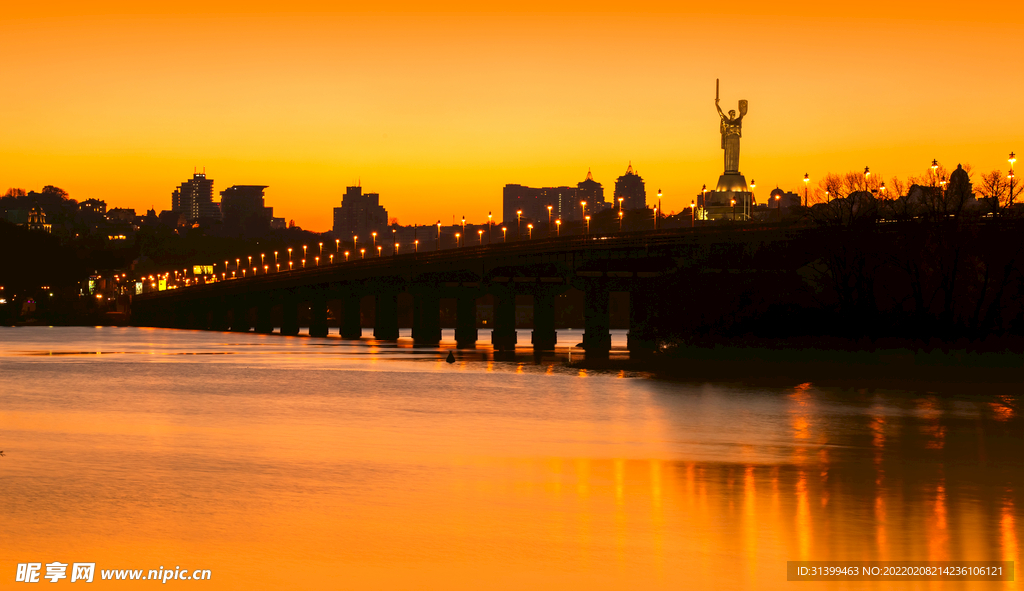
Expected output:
(194, 199)
(359, 214)
(630, 187)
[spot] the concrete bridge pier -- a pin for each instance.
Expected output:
(385, 321)
(642, 339)
(290, 315)
(240, 316)
(597, 339)
(180, 316)
(318, 314)
(544, 336)
(503, 337)
(351, 322)
(465, 321)
(426, 317)
(218, 315)
(264, 324)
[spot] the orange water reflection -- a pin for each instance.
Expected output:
(323, 473)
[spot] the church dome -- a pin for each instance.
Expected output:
(959, 176)
(777, 192)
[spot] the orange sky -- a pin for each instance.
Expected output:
(437, 110)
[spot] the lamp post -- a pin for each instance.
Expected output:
(379, 249)
(262, 257)
(583, 209)
(303, 263)
(549, 219)
(374, 236)
(303, 251)
(290, 263)
(733, 201)
(490, 228)
(657, 214)
(519, 224)
(504, 234)
(935, 171)
(620, 220)
(458, 235)
(480, 233)
(337, 246)
(362, 253)
(321, 249)
(703, 201)
(250, 260)
(807, 179)
(529, 229)
(558, 228)
(394, 240)
(587, 219)
(463, 225)
(691, 213)
(416, 245)
(355, 242)
(266, 269)
(1011, 176)
(346, 256)
(277, 267)
(621, 199)
(867, 173)
(275, 257)
(237, 263)
(439, 235)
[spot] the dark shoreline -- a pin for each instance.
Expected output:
(895, 367)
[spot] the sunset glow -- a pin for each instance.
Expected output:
(437, 111)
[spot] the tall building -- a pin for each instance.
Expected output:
(194, 199)
(630, 187)
(564, 201)
(359, 214)
(243, 210)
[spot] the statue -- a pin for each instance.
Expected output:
(731, 130)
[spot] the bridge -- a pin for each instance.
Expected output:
(644, 264)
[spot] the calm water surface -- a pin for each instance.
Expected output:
(298, 463)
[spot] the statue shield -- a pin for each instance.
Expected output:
(743, 108)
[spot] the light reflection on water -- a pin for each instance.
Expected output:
(322, 464)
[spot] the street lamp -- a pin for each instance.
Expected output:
(394, 240)
(337, 245)
(657, 210)
(703, 199)
(379, 248)
(275, 257)
(416, 245)
(519, 224)
(480, 233)
(620, 220)
(583, 209)
(346, 256)
(549, 220)
(439, 235)
(691, 213)
(750, 202)
(490, 227)
(374, 235)
(290, 265)
(317, 258)
(237, 263)
(807, 179)
(457, 236)
(303, 263)
(529, 229)
(558, 227)
(1011, 176)
(867, 173)
(504, 234)
(250, 260)
(321, 249)
(266, 269)
(362, 253)
(655, 217)
(277, 267)
(463, 224)
(733, 201)
(935, 171)
(303, 251)
(262, 256)
(355, 242)
(587, 218)
(621, 199)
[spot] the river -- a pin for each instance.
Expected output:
(300, 463)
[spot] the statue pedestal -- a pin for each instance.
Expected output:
(732, 182)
